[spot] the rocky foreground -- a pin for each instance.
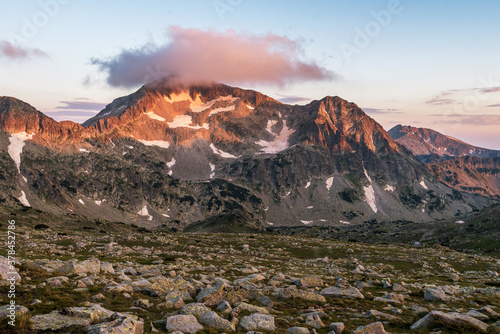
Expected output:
(136, 281)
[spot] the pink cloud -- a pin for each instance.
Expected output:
(227, 57)
(11, 51)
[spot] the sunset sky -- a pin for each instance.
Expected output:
(424, 63)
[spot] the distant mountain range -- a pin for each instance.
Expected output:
(455, 163)
(181, 155)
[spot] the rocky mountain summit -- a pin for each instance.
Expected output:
(459, 165)
(102, 277)
(177, 155)
(424, 143)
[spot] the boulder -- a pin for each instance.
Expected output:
(16, 310)
(314, 320)
(309, 282)
(435, 294)
(349, 292)
(164, 285)
(254, 278)
(213, 320)
(337, 327)
(456, 321)
(298, 330)
(120, 325)
(196, 309)
(183, 323)
(57, 322)
(258, 322)
(290, 293)
(7, 273)
(373, 328)
(251, 308)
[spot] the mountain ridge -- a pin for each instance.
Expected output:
(179, 155)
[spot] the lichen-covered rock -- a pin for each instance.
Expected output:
(120, 325)
(435, 294)
(212, 319)
(164, 285)
(252, 308)
(15, 310)
(373, 328)
(7, 273)
(309, 282)
(290, 293)
(258, 322)
(337, 327)
(183, 323)
(298, 330)
(90, 266)
(349, 292)
(57, 322)
(314, 320)
(196, 309)
(453, 320)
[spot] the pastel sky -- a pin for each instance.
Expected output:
(424, 63)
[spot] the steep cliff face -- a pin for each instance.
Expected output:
(179, 154)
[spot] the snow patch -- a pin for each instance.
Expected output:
(307, 185)
(154, 116)
(170, 165)
(310, 207)
(222, 109)
(181, 97)
(279, 143)
(158, 143)
(185, 121)
(269, 223)
(84, 150)
(112, 143)
(422, 183)
(165, 215)
(269, 126)
(222, 153)
(345, 222)
(250, 107)
(17, 142)
(329, 183)
(306, 222)
(145, 213)
(370, 193)
(131, 147)
(459, 222)
(389, 188)
(212, 170)
(23, 199)
(99, 202)
(124, 153)
(81, 201)
(323, 220)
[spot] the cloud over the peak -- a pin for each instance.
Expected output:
(13, 52)
(227, 57)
